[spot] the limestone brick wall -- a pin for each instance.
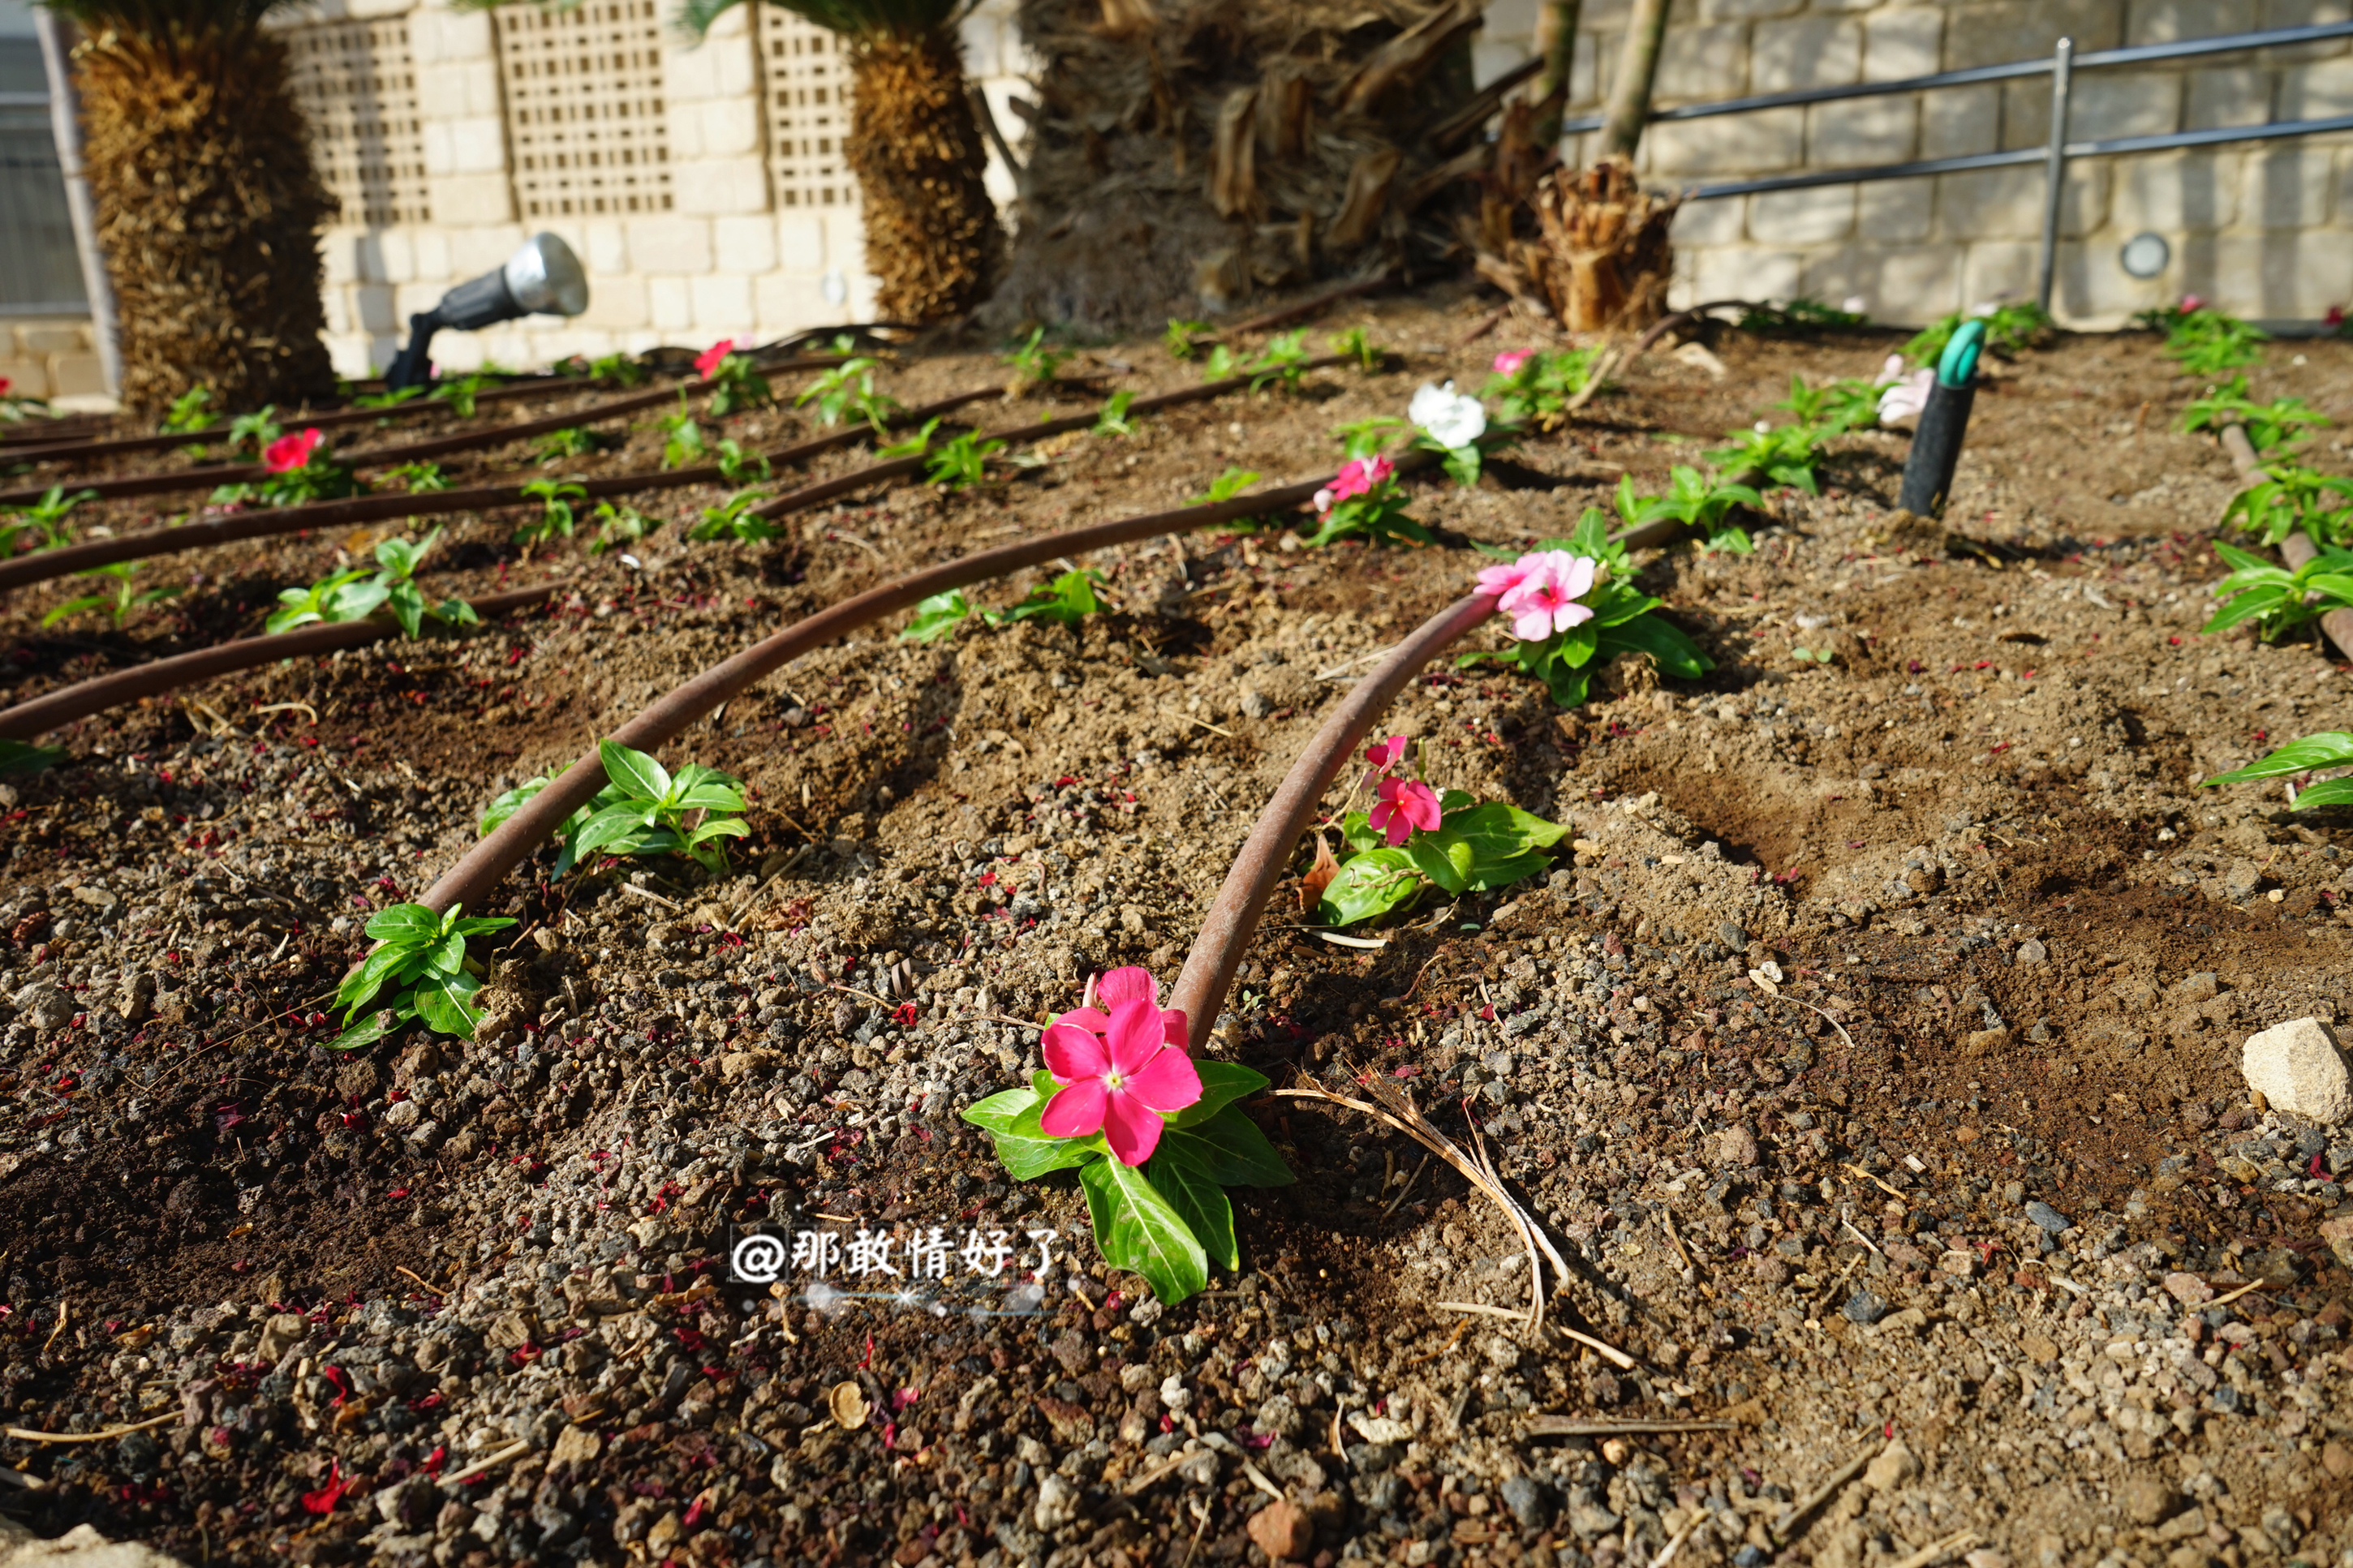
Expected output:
(52, 356)
(2264, 229)
(702, 184)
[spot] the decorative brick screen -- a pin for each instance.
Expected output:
(804, 84)
(583, 100)
(356, 83)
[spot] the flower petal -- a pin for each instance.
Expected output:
(1072, 1054)
(1169, 1081)
(1076, 1111)
(1177, 1028)
(1093, 1020)
(1131, 984)
(1135, 1035)
(1132, 1130)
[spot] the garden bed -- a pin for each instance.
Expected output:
(1978, 1173)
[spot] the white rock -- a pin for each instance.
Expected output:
(1058, 1503)
(2297, 1067)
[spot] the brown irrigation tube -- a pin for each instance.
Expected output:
(2298, 549)
(263, 522)
(484, 866)
(416, 452)
(53, 709)
(333, 419)
(877, 473)
(1265, 857)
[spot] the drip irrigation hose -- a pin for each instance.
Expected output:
(334, 418)
(1265, 857)
(1944, 425)
(263, 522)
(2298, 549)
(482, 868)
(84, 697)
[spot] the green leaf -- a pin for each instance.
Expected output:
(1356, 827)
(1232, 1150)
(379, 1022)
(361, 984)
(937, 616)
(2330, 749)
(611, 827)
(1198, 1200)
(409, 923)
(1136, 1229)
(1368, 886)
(1222, 1083)
(1001, 1110)
(2329, 791)
(443, 1003)
(1668, 648)
(1025, 1150)
(1446, 863)
(23, 757)
(634, 771)
(507, 804)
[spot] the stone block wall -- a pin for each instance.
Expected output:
(2264, 229)
(52, 356)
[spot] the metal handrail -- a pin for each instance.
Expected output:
(2055, 152)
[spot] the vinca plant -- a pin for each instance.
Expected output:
(299, 469)
(1535, 387)
(1572, 606)
(735, 520)
(558, 499)
(353, 594)
(2330, 749)
(1799, 315)
(2289, 498)
(1034, 365)
(2276, 425)
(120, 602)
(2276, 599)
(1155, 1136)
(681, 436)
(739, 383)
(2205, 342)
(643, 810)
(1697, 503)
(190, 411)
(44, 522)
(2009, 328)
(1412, 841)
(1066, 600)
(846, 390)
(418, 970)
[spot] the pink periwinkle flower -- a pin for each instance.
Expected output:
(1385, 754)
(2192, 302)
(1546, 601)
(288, 453)
(1502, 577)
(1121, 1078)
(1508, 362)
(1356, 477)
(708, 359)
(1404, 805)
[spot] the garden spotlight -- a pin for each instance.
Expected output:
(542, 279)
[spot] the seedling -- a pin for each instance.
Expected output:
(121, 602)
(2204, 341)
(1800, 314)
(1155, 1134)
(848, 389)
(45, 517)
(1182, 337)
(190, 411)
(1574, 607)
(1068, 599)
(2269, 426)
(644, 811)
(1833, 408)
(300, 467)
(733, 519)
(738, 467)
(345, 597)
(1220, 365)
(682, 435)
(961, 462)
(572, 441)
(392, 399)
(1365, 501)
(1537, 385)
(1813, 655)
(556, 498)
(2278, 600)
(1284, 359)
(2330, 749)
(2008, 329)
(1451, 424)
(1787, 454)
(1696, 503)
(419, 478)
(1114, 419)
(621, 370)
(617, 525)
(1414, 840)
(252, 432)
(460, 394)
(914, 446)
(1359, 347)
(1033, 364)
(418, 970)
(938, 617)
(2290, 498)
(739, 383)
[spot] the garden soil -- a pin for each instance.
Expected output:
(1871, 1053)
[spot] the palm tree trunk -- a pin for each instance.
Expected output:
(1638, 67)
(1556, 42)
(208, 211)
(932, 233)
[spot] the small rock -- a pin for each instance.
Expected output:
(2337, 1460)
(2146, 1499)
(2187, 1288)
(2200, 987)
(1985, 1042)
(44, 1005)
(279, 1335)
(575, 1446)
(2046, 1217)
(1254, 704)
(1732, 936)
(1865, 1308)
(2032, 952)
(1736, 1146)
(1283, 1530)
(1892, 1469)
(2339, 1235)
(2297, 1067)
(1911, 1318)
(1960, 1262)
(1525, 1495)
(1058, 1503)
(2039, 1349)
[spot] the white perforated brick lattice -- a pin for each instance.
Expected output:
(356, 83)
(584, 92)
(804, 84)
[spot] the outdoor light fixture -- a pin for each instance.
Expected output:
(542, 279)
(2146, 254)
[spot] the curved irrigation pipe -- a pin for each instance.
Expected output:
(84, 697)
(2298, 549)
(1265, 858)
(487, 862)
(263, 522)
(381, 458)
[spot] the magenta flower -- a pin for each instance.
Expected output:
(1356, 477)
(1385, 754)
(708, 359)
(1121, 1080)
(2192, 302)
(288, 453)
(1545, 602)
(1404, 805)
(1508, 362)
(1504, 576)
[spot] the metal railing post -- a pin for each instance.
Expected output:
(65, 127)
(2063, 77)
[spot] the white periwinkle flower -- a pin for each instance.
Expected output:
(1906, 398)
(1451, 418)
